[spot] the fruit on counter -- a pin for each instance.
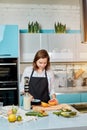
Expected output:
(14, 110)
(12, 115)
(19, 118)
(53, 102)
(43, 112)
(44, 104)
(68, 114)
(12, 118)
(9, 112)
(65, 113)
(40, 113)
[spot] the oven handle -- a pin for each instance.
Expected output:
(7, 63)
(8, 88)
(8, 82)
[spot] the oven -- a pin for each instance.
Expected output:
(9, 81)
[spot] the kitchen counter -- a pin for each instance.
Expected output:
(51, 122)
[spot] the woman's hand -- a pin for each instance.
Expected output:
(31, 97)
(54, 97)
(21, 93)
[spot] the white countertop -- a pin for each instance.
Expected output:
(51, 122)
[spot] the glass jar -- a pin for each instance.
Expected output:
(27, 101)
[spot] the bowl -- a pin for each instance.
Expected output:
(36, 102)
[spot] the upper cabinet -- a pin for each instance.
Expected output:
(8, 41)
(61, 47)
(29, 44)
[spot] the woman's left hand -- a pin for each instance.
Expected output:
(53, 101)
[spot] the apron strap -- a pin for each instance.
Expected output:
(45, 73)
(33, 72)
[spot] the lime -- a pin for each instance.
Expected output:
(19, 118)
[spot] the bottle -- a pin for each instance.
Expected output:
(27, 99)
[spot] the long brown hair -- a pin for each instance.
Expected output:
(41, 54)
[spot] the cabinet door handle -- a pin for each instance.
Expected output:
(5, 54)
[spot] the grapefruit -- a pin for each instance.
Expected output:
(53, 102)
(9, 112)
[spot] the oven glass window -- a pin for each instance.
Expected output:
(8, 70)
(9, 97)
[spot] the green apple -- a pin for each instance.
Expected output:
(14, 110)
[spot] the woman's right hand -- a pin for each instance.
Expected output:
(31, 97)
(21, 93)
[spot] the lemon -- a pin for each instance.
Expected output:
(12, 118)
(19, 118)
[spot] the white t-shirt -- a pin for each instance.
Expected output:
(50, 76)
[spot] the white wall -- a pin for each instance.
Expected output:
(67, 12)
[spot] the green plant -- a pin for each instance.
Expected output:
(33, 27)
(60, 28)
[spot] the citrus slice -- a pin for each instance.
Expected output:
(53, 102)
(44, 104)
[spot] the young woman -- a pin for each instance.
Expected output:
(41, 78)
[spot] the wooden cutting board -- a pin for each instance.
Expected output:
(50, 108)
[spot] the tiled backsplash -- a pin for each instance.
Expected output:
(70, 75)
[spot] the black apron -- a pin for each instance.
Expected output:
(38, 87)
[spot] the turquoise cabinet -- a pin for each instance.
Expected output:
(72, 97)
(69, 98)
(8, 41)
(84, 97)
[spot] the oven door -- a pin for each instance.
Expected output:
(9, 81)
(9, 96)
(9, 92)
(8, 69)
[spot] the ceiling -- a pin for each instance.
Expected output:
(38, 1)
